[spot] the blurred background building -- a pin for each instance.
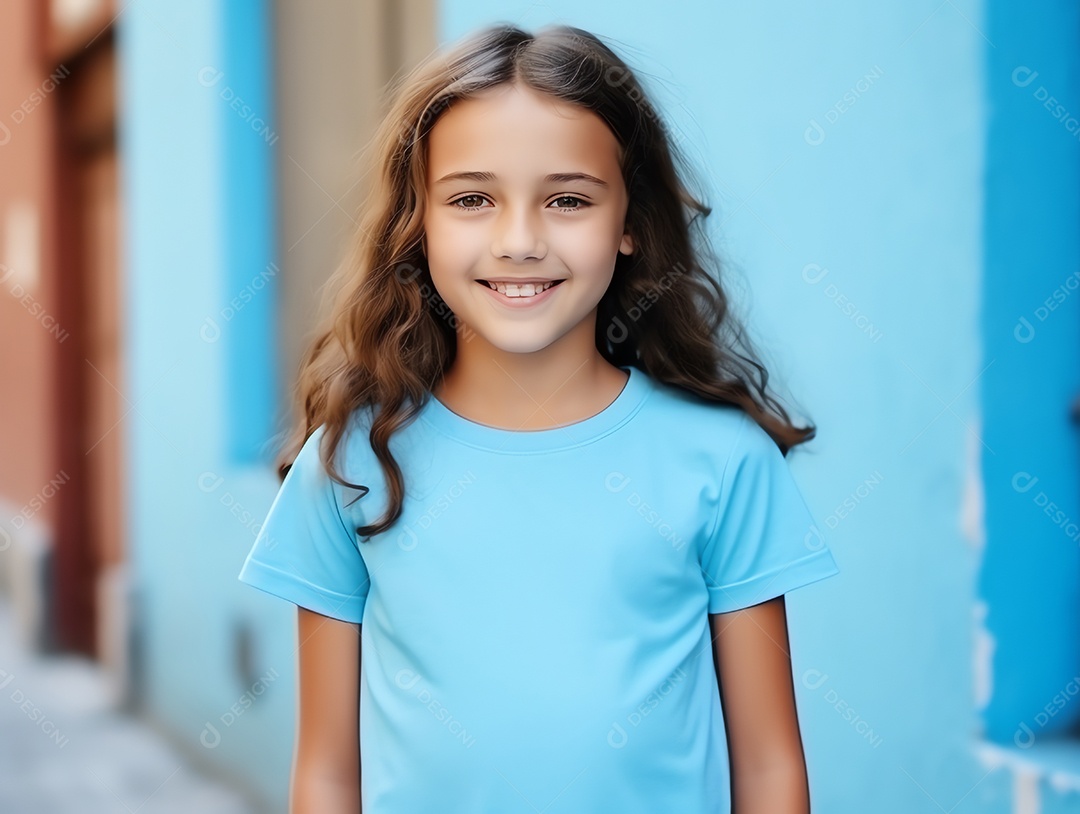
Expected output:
(896, 192)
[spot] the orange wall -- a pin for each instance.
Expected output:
(28, 334)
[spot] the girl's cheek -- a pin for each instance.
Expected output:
(456, 240)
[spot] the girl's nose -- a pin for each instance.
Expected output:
(518, 237)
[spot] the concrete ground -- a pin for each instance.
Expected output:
(63, 749)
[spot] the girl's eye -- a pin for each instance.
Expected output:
(465, 198)
(581, 204)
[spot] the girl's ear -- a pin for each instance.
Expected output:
(627, 244)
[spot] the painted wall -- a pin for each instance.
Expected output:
(221, 270)
(31, 331)
(199, 185)
(1030, 330)
(862, 162)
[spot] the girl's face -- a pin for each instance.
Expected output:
(521, 188)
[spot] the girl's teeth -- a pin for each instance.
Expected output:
(523, 290)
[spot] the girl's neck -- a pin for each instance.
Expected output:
(534, 391)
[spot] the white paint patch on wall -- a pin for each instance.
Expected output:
(72, 13)
(1026, 791)
(973, 527)
(983, 656)
(1065, 782)
(22, 247)
(972, 507)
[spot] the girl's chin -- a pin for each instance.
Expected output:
(498, 338)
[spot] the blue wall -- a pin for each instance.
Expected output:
(197, 147)
(844, 147)
(1030, 331)
(890, 203)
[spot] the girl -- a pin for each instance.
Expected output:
(538, 481)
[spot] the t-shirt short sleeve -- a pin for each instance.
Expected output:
(765, 541)
(306, 552)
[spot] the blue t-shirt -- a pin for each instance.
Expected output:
(535, 631)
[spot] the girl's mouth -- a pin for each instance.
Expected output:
(524, 295)
(520, 290)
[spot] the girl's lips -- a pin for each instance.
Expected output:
(520, 302)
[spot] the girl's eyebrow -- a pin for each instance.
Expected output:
(553, 178)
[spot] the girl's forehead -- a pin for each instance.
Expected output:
(515, 131)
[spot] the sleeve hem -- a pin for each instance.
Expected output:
(771, 584)
(348, 608)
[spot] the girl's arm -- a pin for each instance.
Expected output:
(753, 667)
(326, 758)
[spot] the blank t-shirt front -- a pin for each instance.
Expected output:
(535, 632)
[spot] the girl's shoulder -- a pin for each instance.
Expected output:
(691, 425)
(681, 409)
(351, 445)
(356, 440)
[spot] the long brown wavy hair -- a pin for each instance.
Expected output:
(387, 336)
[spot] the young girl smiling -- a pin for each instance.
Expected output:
(538, 522)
